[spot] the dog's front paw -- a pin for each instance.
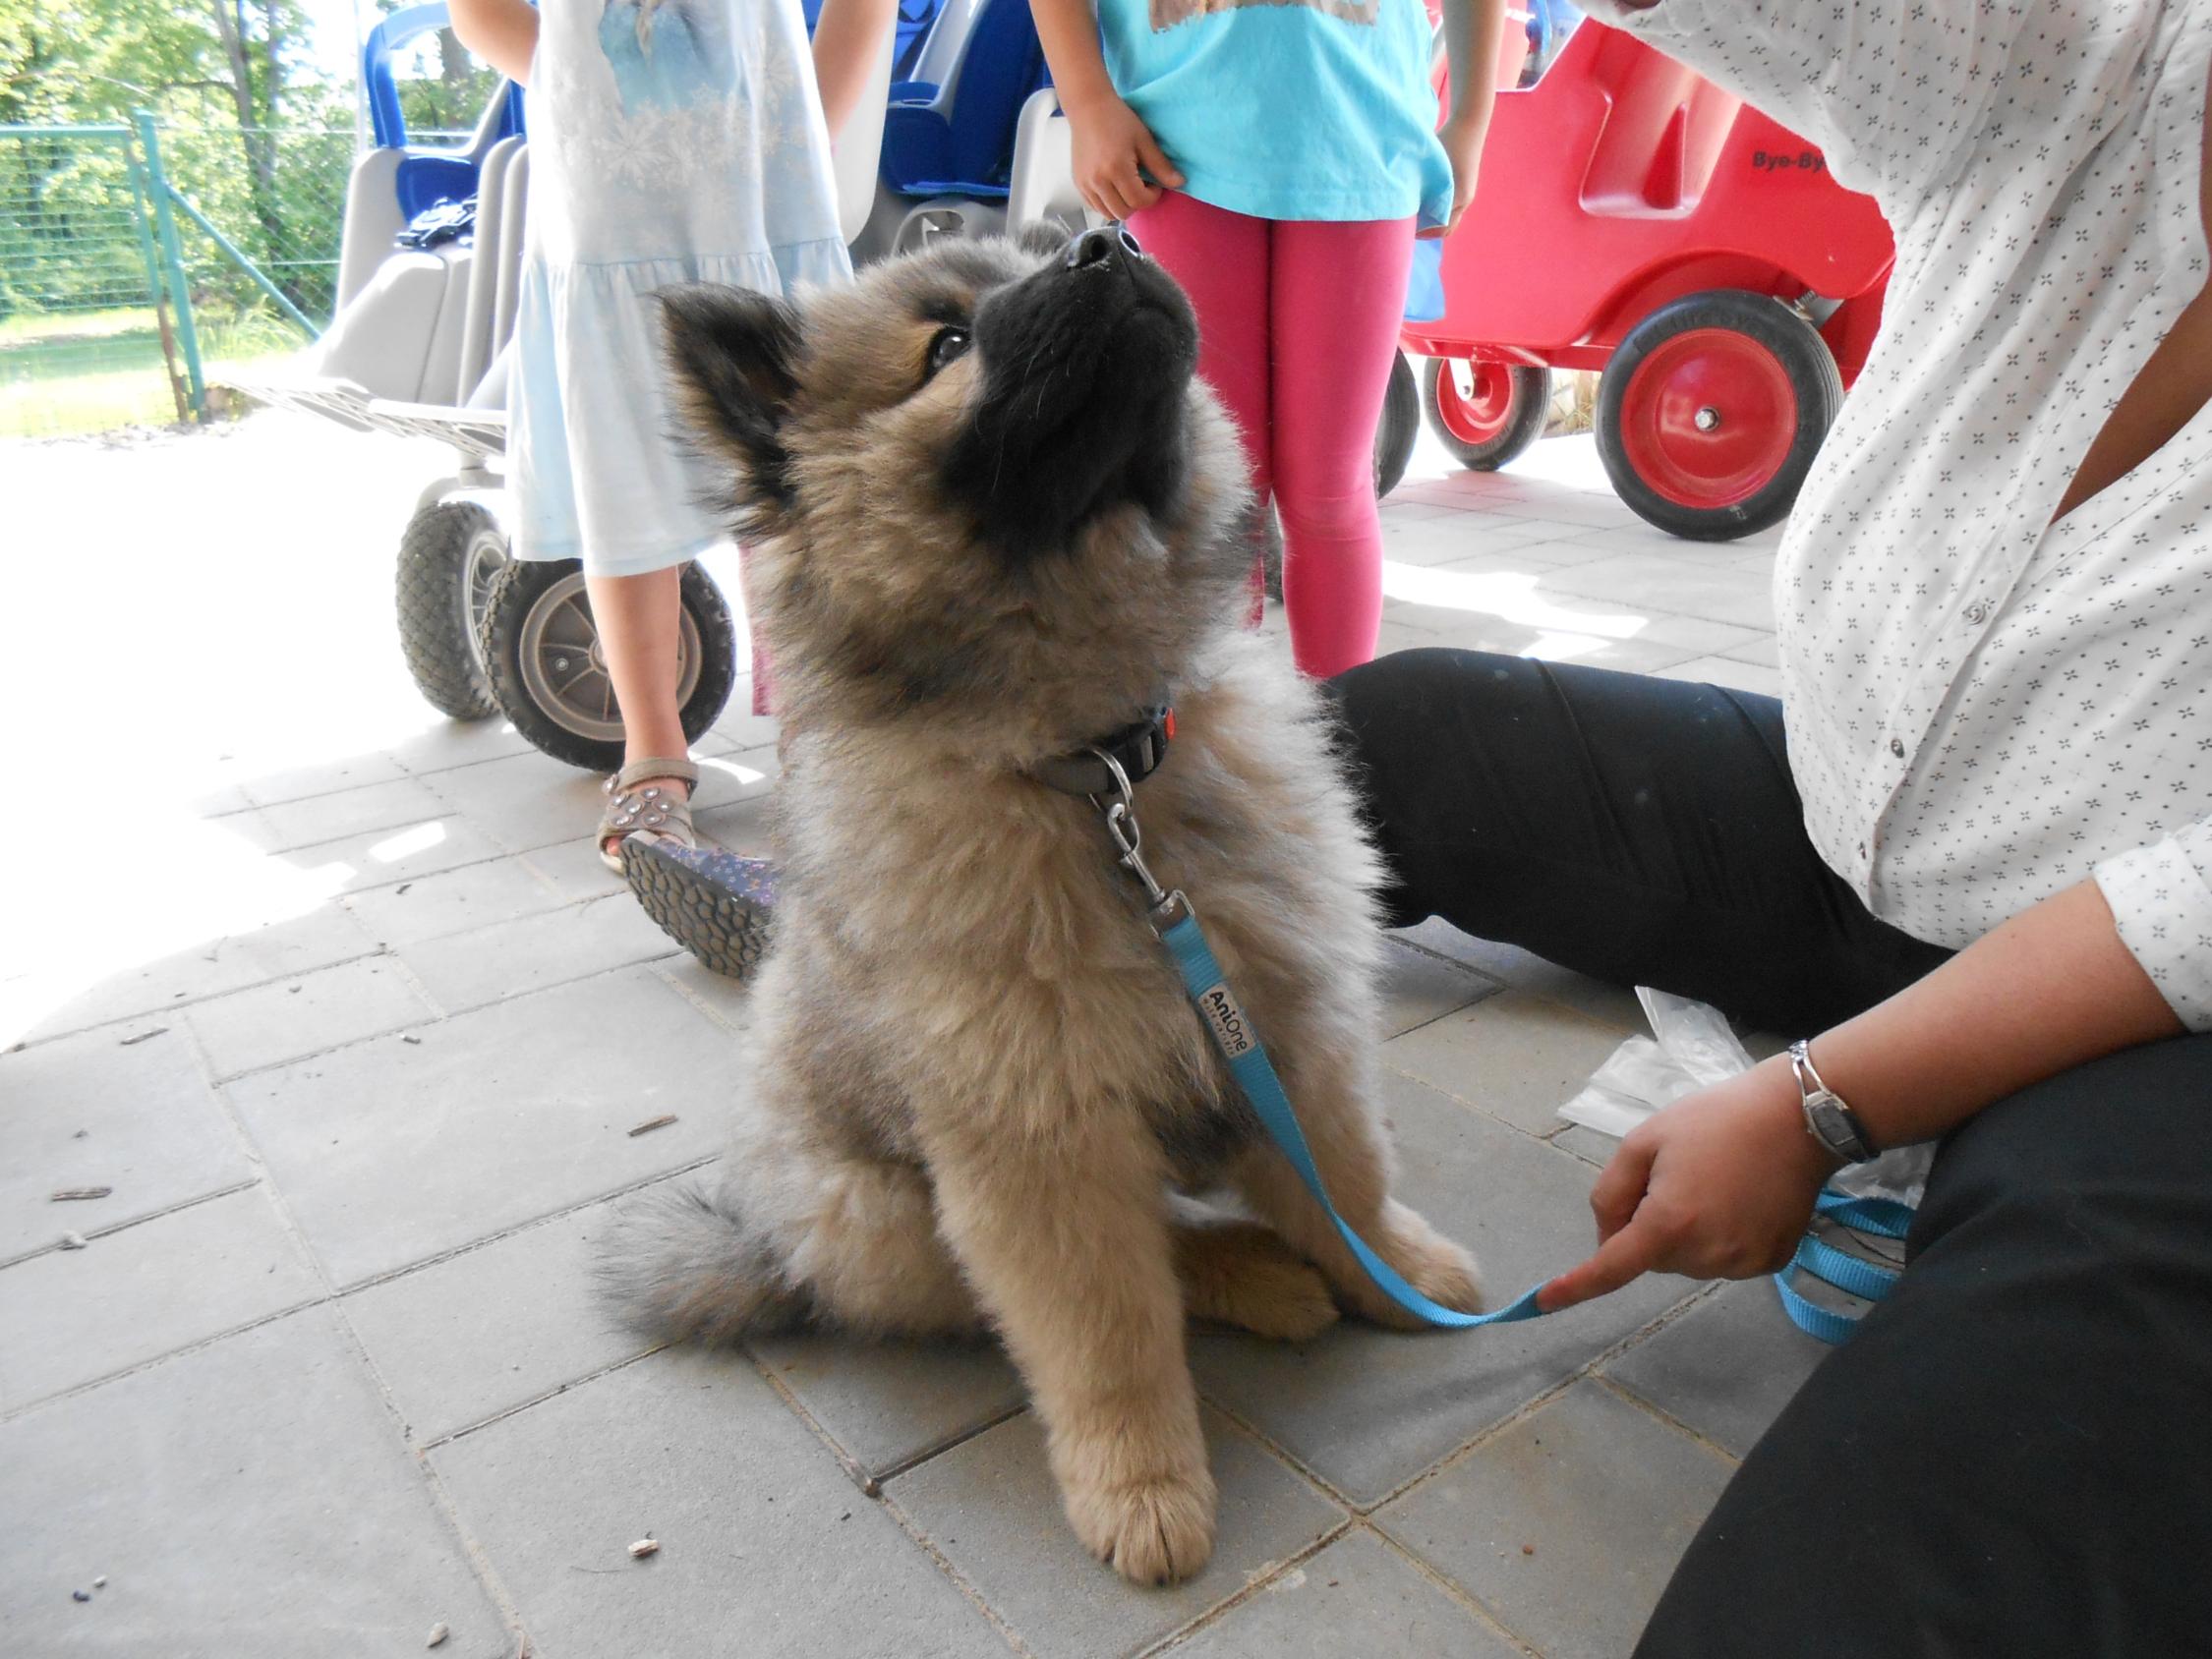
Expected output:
(1154, 1531)
(1426, 1259)
(1239, 1274)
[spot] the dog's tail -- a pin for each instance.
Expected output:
(681, 1264)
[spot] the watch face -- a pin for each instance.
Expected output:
(1833, 1129)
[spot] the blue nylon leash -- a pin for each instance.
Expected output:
(1883, 1218)
(1255, 1074)
(1176, 926)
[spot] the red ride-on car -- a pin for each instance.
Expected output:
(1635, 218)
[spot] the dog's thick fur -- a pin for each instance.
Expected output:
(979, 1080)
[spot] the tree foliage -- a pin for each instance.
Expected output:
(255, 132)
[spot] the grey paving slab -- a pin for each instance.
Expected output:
(1452, 536)
(250, 1499)
(1586, 1144)
(1727, 1369)
(1647, 577)
(1568, 1524)
(1418, 987)
(442, 745)
(1730, 671)
(991, 1507)
(739, 728)
(390, 1152)
(73, 1316)
(465, 1339)
(1764, 651)
(746, 825)
(393, 805)
(319, 777)
(523, 801)
(1514, 1055)
(766, 1549)
(1566, 630)
(727, 1001)
(572, 868)
(1509, 964)
(379, 859)
(511, 958)
(1358, 1596)
(433, 906)
(889, 1404)
(102, 1110)
(1368, 1409)
(276, 949)
(274, 1023)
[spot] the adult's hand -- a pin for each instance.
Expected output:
(1718, 1185)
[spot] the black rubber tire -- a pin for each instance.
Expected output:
(1793, 343)
(438, 552)
(1400, 426)
(522, 587)
(1528, 410)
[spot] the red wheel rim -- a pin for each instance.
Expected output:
(1483, 412)
(1709, 418)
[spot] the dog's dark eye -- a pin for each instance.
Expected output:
(948, 347)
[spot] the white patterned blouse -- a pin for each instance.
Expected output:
(1984, 707)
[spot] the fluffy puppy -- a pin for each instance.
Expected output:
(993, 519)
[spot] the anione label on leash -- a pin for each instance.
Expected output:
(1230, 1027)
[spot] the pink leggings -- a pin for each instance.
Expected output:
(1298, 324)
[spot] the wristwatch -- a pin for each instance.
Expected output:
(1827, 1118)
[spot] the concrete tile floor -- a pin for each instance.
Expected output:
(354, 1026)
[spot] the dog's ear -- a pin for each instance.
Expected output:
(1042, 237)
(733, 355)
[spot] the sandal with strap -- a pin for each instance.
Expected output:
(715, 903)
(637, 807)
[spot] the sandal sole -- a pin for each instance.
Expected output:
(726, 931)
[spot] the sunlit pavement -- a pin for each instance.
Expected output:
(333, 996)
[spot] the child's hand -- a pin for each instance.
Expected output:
(1462, 138)
(1111, 145)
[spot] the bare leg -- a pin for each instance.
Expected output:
(639, 620)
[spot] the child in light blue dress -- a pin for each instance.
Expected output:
(670, 142)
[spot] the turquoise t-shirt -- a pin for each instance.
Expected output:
(1287, 109)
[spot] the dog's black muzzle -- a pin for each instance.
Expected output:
(1085, 366)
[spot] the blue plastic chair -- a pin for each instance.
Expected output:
(911, 30)
(957, 140)
(423, 181)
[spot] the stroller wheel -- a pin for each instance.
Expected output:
(1399, 426)
(1712, 409)
(1485, 413)
(541, 655)
(447, 560)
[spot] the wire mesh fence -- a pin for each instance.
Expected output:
(80, 339)
(86, 344)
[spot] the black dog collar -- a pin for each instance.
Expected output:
(1138, 749)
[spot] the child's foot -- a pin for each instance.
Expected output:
(710, 900)
(648, 800)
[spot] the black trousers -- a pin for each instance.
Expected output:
(2010, 1458)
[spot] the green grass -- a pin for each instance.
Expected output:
(92, 371)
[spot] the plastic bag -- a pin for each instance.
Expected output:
(1692, 1048)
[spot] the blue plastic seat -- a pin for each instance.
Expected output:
(424, 180)
(959, 139)
(913, 28)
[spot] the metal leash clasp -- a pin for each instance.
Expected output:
(1167, 908)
